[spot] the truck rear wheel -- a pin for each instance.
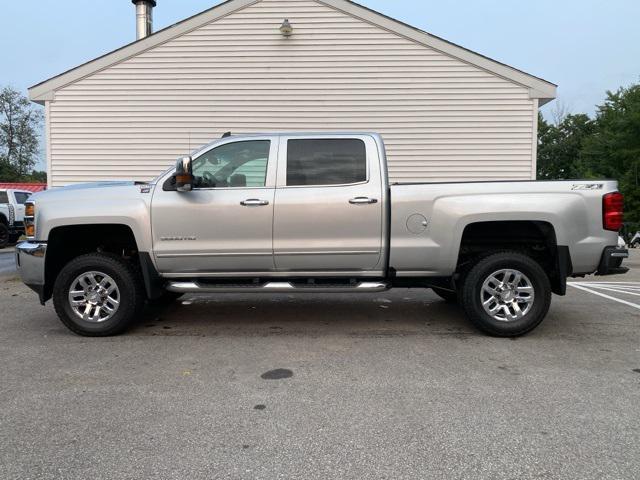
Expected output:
(98, 295)
(506, 294)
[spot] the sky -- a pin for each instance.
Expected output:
(586, 47)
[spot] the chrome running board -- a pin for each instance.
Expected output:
(276, 287)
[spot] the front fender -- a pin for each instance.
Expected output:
(122, 205)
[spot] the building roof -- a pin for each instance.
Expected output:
(538, 88)
(27, 187)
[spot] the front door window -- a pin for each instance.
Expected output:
(234, 165)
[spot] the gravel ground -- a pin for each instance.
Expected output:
(394, 385)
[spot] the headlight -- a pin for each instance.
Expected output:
(30, 220)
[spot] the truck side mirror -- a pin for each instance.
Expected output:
(184, 175)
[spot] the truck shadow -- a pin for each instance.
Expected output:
(397, 313)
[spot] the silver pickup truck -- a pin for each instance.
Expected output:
(304, 212)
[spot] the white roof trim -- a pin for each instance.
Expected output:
(538, 88)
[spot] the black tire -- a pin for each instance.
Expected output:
(128, 281)
(4, 235)
(13, 238)
(616, 262)
(470, 294)
(449, 296)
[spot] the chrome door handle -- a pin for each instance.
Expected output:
(254, 202)
(362, 200)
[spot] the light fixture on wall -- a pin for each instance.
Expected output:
(286, 29)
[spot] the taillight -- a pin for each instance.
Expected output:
(612, 211)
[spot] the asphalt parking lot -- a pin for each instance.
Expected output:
(393, 385)
(7, 261)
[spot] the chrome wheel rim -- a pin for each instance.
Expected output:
(94, 297)
(507, 295)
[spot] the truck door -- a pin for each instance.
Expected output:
(328, 214)
(225, 224)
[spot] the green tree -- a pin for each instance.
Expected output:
(559, 146)
(576, 146)
(613, 151)
(37, 176)
(20, 122)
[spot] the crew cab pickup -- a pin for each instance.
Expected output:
(303, 212)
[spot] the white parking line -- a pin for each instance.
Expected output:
(617, 290)
(621, 287)
(582, 286)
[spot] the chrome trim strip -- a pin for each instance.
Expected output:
(212, 254)
(207, 189)
(343, 252)
(275, 287)
(256, 254)
(364, 182)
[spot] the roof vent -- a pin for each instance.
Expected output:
(144, 17)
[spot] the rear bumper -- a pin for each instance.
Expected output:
(610, 261)
(30, 258)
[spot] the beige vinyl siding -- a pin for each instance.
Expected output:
(442, 119)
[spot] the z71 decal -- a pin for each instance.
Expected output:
(587, 186)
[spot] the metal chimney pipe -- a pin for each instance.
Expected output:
(144, 17)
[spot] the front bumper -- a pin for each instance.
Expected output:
(610, 261)
(30, 257)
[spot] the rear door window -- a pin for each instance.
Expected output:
(340, 161)
(4, 198)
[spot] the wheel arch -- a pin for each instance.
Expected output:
(67, 242)
(536, 238)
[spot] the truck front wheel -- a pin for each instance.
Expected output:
(506, 294)
(4, 235)
(13, 238)
(98, 295)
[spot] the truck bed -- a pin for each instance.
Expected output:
(573, 208)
